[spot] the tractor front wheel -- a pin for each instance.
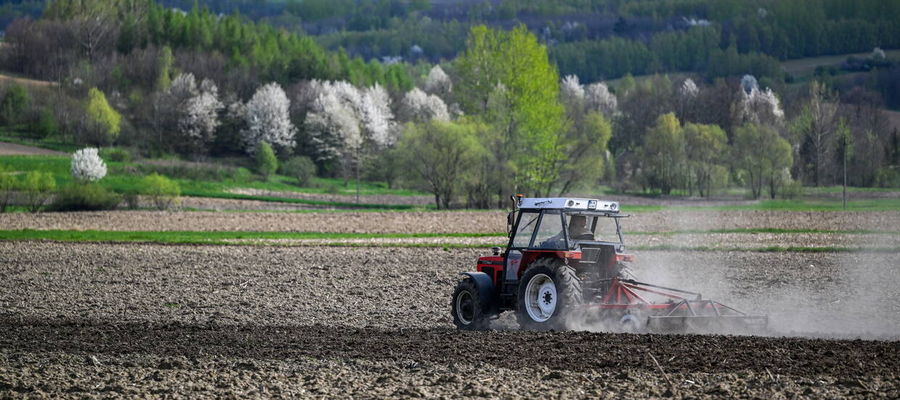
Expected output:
(548, 293)
(466, 307)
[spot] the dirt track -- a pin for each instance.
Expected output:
(151, 320)
(435, 222)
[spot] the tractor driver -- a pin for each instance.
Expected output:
(578, 229)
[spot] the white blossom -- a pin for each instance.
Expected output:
(438, 82)
(268, 118)
(343, 116)
(201, 113)
(761, 107)
(87, 165)
(599, 98)
(571, 89)
(696, 21)
(688, 88)
(878, 54)
(377, 117)
(333, 127)
(420, 106)
(183, 87)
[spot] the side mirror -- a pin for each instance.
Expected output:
(495, 251)
(510, 220)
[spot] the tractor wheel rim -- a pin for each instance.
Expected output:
(540, 298)
(465, 310)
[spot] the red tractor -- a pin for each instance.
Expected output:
(565, 266)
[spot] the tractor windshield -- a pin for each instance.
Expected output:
(527, 223)
(592, 227)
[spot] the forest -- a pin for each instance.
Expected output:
(470, 101)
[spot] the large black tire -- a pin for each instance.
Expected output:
(466, 307)
(568, 297)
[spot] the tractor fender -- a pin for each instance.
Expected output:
(486, 291)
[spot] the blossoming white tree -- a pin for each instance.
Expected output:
(346, 124)
(688, 89)
(599, 98)
(87, 166)
(761, 107)
(201, 114)
(437, 82)
(268, 118)
(571, 89)
(419, 106)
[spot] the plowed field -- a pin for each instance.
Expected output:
(104, 320)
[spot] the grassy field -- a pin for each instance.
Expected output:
(322, 239)
(120, 179)
(123, 177)
(805, 67)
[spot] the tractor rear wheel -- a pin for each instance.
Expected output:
(548, 293)
(466, 307)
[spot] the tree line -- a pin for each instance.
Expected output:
(496, 120)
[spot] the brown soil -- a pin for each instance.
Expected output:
(208, 321)
(343, 198)
(12, 149)
(436, 222)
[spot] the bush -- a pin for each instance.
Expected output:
(85, 197)
(242, 175)
(8, 185)
(46, 124)
(38, 187)
(888, 177)
(791, 189)
(302, 168)
(14, 104)
(266, 163)
(116, 154)
(87, 166)
(162, 191)
(132, 200)
(187, 170)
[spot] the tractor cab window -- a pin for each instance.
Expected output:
(550, 233)
(527, 223)
(585, 227)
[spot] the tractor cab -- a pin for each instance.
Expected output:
(572, 236)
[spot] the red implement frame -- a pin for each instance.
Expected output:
(624, 294)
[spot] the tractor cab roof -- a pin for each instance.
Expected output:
(568, 203)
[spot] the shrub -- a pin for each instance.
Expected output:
(85, 197)
(14, 104)
(162, 191)
(87, 166)
(242, 175)
(187, 170)
(46, 124)
(116, 154)
(791, 189)
(266, 163)
(302, 168)
(8, 185)
(38, 187)
(132, 200)
(888, 177)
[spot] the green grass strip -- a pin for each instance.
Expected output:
(323, 239)
(210, 237)
(769, 249)
(765, 230)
